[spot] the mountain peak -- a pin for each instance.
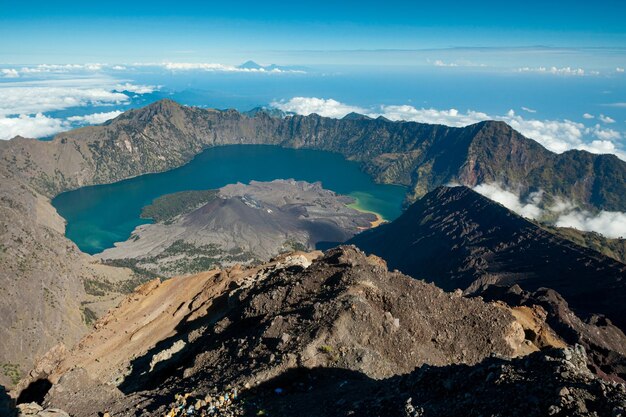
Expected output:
(250, 65)
(356, 116)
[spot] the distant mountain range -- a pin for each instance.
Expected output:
(251, 65)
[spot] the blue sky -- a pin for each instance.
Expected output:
(143, 31)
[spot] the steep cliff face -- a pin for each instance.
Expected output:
(457, 238)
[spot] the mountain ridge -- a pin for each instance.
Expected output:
(457, 238)
(421, 156)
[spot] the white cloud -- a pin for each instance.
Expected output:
(30, 126)
(456, 63)
(63, 68)
(118, 67)
(31, 98)
(9, 73)
(561, 206)
(606, 119)
(529, 110)
(137, 89)
(440, 63)
(619, 69)
(611, 224)
(511, 201)
(450, 117)
(95, 118)
(23, 104)
(588, 116)
(603, 133)
(187, 66)
(39, 125)
(215, 67)
(323, 107)
(602, 147)
(558, 71)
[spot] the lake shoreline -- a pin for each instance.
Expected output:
(379, 219)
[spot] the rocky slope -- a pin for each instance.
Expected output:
(605, 343)
(550, 383)
(164, 135)
(613, 248)
(457, 238)
(47, 292)
(239, 223)
(316, 334)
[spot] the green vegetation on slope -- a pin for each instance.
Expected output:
(165, 208)
(613, 248)
(12, 371)
(184, 258)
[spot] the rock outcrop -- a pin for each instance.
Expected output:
(604, 342)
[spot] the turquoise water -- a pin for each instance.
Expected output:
(98, 216)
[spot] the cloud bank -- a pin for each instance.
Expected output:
(94, 118)
(23, 104)
(558, 71)
(511, 201)
(555, 135)
(137, 89)
(31, 98)
(323, 107)
(40, 125)
(35, 126)
(611, 224)
(216, 67)
(9, 73)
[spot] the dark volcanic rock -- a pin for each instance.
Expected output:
(545, 383)
(604, 342)
(343, 311)
(457, 238)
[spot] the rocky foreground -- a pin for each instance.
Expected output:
(315, 334)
